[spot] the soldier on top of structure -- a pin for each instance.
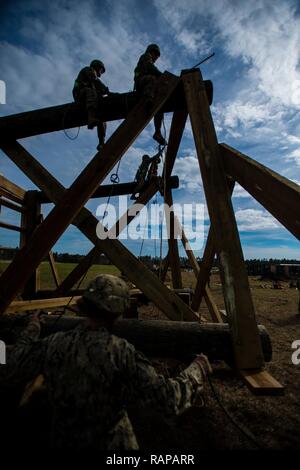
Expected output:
(92, 376)
(146, 75)
(89, 90)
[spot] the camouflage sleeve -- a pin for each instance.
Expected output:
(101, 88)
(148, 66)
(25, 359)
(169, 395)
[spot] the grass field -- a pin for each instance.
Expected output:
(46, 278)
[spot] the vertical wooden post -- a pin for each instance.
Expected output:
(30, 219)
(207, 262)
(174, 259)
(176, 131)
(237, 295)
(211, 305)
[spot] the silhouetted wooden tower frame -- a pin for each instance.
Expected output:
(220, 167)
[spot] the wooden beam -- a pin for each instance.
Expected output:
(115, 106)
(10, 196)
(237, 295)
(53, 268)
(174, 259)
(27, 305)
(136, 272)
(211, 305)
(176, 132)
(30, 220)
(280, 196)
(46, 235)
(11, 227)
(207, 262)
(119, 189)
(11, 206)
(12, 188)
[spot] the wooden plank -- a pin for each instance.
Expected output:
(280, 196)
(31, 218)
(115, 106)
(211, 305)
(11, 227)
(176, 132)
(119, 189)
(237, 295)
(136, 272)
(260, 382)
(207, 262)
(12, 206)
(53, 269)
(10, 196)
(26, 305)
(12, 188)
(174, 259)
(49, 231)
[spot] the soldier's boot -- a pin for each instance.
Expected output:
(158, 119)
(159, 138)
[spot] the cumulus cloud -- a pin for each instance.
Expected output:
(254, 220)
(187, 169)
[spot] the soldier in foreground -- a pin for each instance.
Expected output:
(88, 89)
(146, 75)
(92, 376)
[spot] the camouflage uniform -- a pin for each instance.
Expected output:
(141, 174)
(145, 83)
(89, 89)
(91, 376)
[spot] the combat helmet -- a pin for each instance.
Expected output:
(108, 293)
(97, 64)
(153, 47)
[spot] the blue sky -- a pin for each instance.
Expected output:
(256, 76)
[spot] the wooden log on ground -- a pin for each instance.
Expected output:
(158, 338)
(55, 118)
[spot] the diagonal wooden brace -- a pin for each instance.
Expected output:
(145, 280)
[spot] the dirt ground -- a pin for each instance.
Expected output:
(274, 422)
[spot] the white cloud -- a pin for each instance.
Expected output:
(240, 192)
(294, 155)
(188, 171)
(254, 219)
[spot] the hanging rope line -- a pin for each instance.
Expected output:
(63, 125)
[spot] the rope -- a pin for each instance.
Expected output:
(245, 431)
(63, 125)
